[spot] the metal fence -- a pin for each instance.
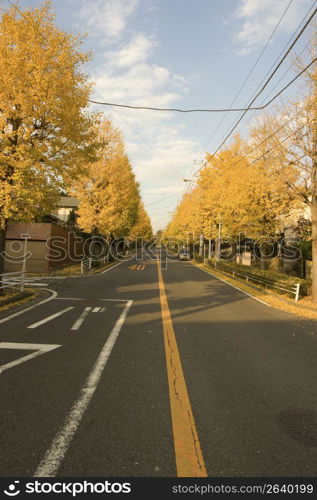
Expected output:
(87, 263)
(13, 280)
(269, 283)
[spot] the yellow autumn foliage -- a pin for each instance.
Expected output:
(244, 195)
(108, 193)
(142, 227)
(46, 132)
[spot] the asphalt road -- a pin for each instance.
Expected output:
(94, 397)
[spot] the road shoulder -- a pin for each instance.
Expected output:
(268, 298)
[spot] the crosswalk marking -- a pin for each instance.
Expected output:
(96, 309)
(81, 318)
(55, 454)
(49, 318)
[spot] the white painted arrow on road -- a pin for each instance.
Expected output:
(37, 348)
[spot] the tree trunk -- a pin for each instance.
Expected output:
(2, 249)
(313, 211)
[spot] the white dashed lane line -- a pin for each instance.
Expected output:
(50, 318)
(81, 318)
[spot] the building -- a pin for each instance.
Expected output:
(65, 206)
(48, 245)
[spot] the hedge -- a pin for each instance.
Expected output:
(277, 278)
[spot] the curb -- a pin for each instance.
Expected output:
(264, 292)
(41, 295)
(67, 276)
(16, 298)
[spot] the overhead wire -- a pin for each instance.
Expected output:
(249, 74)
(254, 108)
(279, 93)
(262, 81)
(257, 92)
(270, 78)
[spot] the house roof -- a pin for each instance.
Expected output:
(68, 202)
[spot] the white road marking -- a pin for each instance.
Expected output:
(18, 313)
(233, 286)
(49, 318)
(81, 318)
(82, 299)
(54, 456)
(26, 283)
(112, 267)
(38, 348)
(102, 309)
(96, 309)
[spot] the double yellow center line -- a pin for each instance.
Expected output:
(188, 454)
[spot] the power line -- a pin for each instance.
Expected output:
(278, 57)
(267, 81)
(268, 73)
(155, 210)
(248, 75)
(288, 85)
(275, 131)
(278, 81)
(161, 199)
(177, 110)
(269, 78)
(269, 137)
(144, 140)
(256, 108)
(262, 156)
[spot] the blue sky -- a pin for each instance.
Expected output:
(177, 53)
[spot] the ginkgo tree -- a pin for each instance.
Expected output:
(47, 133)
(107, 191)
(299, 149)
(142, 227)
(237, 190)
(242, 190)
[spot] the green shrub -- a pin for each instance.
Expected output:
(198, 257)
(275, 277)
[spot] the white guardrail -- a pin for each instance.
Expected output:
(292, 289)
(87, 263)
(16, 279)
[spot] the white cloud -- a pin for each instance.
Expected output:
(143, 83)
(136, 51)
(259, 18)
(160, 156)
(160, 164)
(163, 190)
(125, 74)
(108, 17)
